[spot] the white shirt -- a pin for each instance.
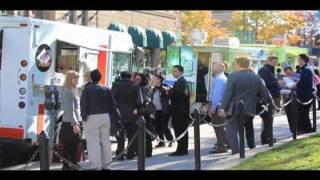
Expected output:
(179, 77)
(289, 83)
(157, 101)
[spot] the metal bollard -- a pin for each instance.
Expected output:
(44, 151)
(241, 130)
(196, 127)
(314, 114)
(141, 143)
(293, 117)
(53, 120)
(270, 128)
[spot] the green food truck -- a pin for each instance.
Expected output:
(198, 60)
(287, 55)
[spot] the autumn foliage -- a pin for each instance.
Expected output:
(201, 20)
(267, 24)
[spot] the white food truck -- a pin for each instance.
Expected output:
(35, 54)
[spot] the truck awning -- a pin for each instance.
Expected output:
(84, 44)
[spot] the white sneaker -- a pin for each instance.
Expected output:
(87, 165)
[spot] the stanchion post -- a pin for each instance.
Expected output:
(196, 126)
(314, 114)
(141, 143)
(293, 116)
(44, 151)
(241, 130)
(270, 128)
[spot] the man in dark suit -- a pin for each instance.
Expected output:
(305, 91)
(127, 97)
(180, 105)
(241, 85)
(267, 74)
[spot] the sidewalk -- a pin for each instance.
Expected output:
(161, 161)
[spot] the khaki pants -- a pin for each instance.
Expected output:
(97, 132)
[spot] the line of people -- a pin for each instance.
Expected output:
(140, 95)
(133, 95)
(255, 90)
(304, 83)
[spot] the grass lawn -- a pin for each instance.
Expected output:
(303, 154)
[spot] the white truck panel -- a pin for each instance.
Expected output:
(15, 48)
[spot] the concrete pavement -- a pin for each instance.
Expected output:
(161, 161)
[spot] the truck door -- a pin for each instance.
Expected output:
(88, 61)
(203, 74)
(13, 93)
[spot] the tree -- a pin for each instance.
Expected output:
(267, 24)
(200, 20)
(256, 21)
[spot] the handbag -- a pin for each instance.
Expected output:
(147, 108)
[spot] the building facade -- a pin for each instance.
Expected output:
(161, 20)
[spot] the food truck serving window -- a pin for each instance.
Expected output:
(121, 62)
(67, 57)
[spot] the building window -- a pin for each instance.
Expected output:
(67, 57)
(121, 62)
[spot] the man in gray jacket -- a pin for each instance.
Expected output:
(241, 85)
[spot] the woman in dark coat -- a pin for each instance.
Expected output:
(142, 80)
(160, 98)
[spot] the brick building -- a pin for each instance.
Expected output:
(162, 20)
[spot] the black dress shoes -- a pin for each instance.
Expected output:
(130, 157)
(218, 150)
(267, 141)
(178, 153)
(121, 158)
